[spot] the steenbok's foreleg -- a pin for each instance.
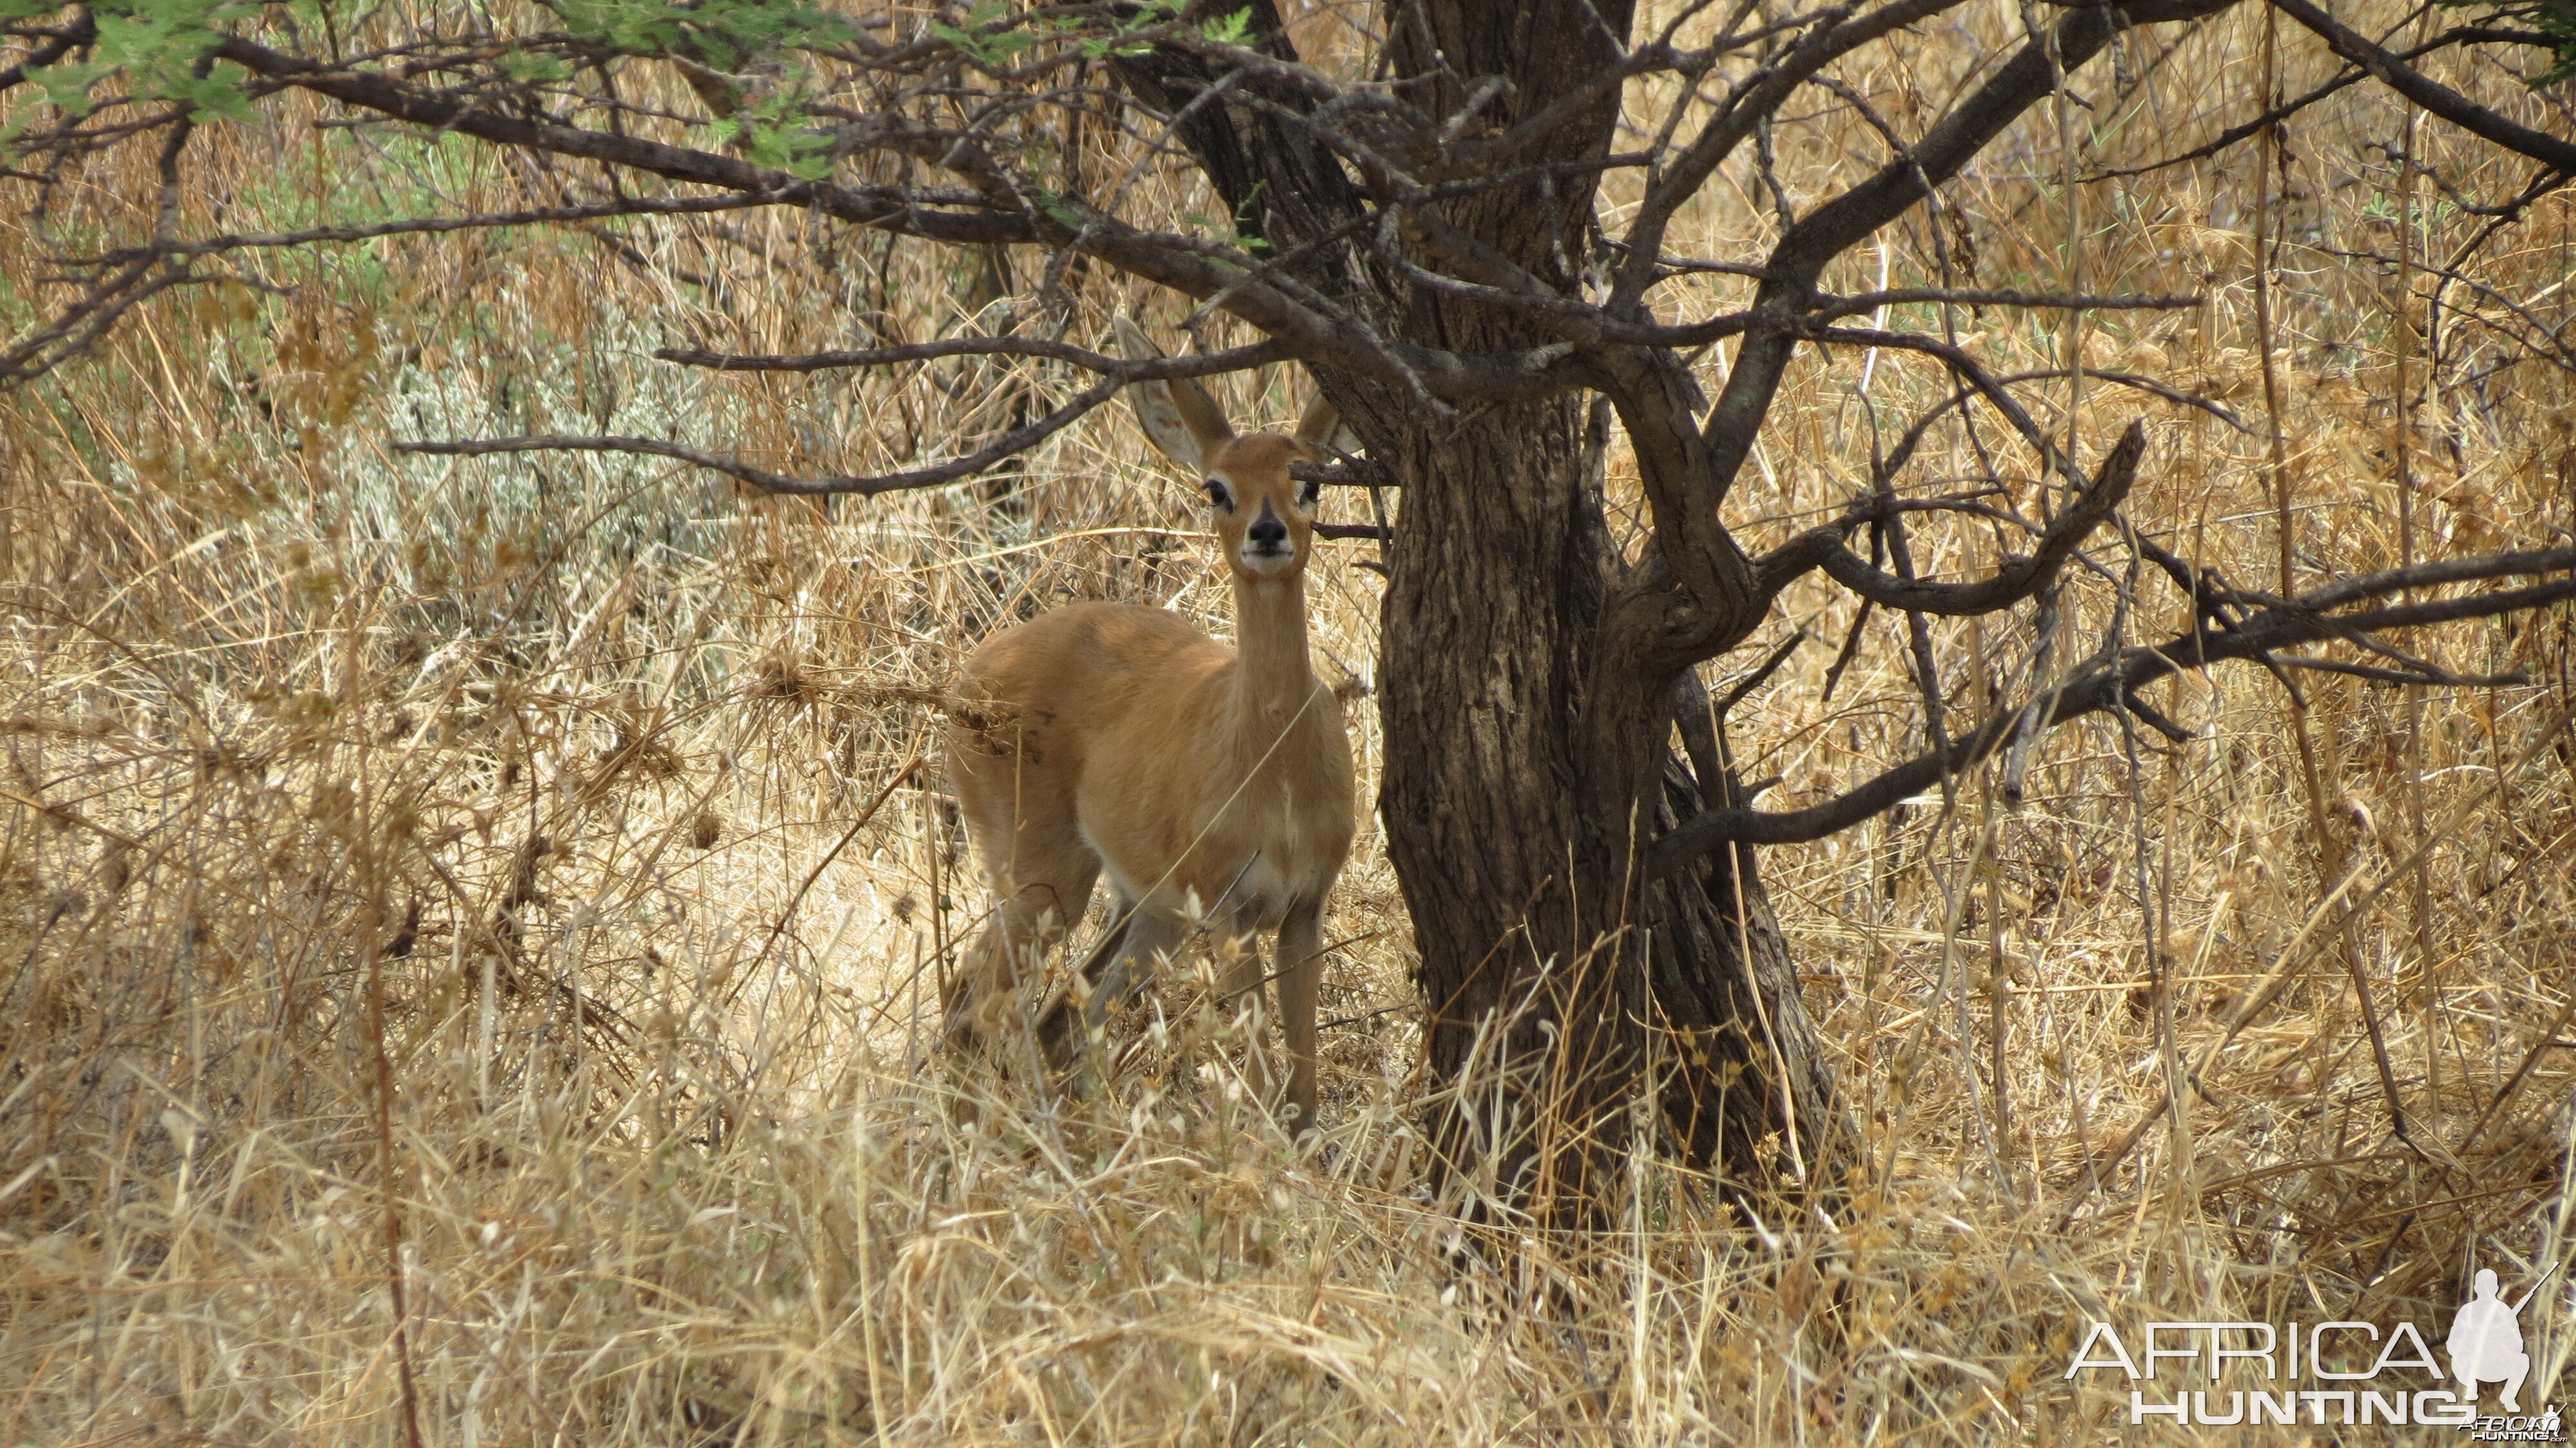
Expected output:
(1245, 974)
(1119, 967)
(1012, 948)
(1146, 940)
(1301, 979)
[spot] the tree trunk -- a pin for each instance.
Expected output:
(1556, 984)
(1496, 588)
(1749, 1092)
(1560, 988)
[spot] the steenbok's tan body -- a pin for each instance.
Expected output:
(1211, 784)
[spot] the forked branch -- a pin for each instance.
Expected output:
(2429, 93)
(2113, 683)
(2018, 579)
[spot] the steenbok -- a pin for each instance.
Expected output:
(1212, 783)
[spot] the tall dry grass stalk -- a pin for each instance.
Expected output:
(537, 863)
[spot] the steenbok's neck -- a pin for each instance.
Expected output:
(1270, 638)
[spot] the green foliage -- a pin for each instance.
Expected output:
(1235, 29)
(725, 34)
(762, 129)
(1242, 230)
(2553, 18)
(2557, 20)
(162, 50)
(985, 46)
(535, 67)
(1057, 207)
(991, 39)
(720, 33)
(1225, 231)
(160, 46)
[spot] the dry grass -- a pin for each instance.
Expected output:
(599, 780)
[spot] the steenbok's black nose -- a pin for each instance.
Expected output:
(1267, 533)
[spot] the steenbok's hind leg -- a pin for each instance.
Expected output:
(1041, 889)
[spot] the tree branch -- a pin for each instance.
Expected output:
(1735, 120)
(434, 225)
(1844, 222)
(676, 163)
(2016, 580)
(2432, 95)
(1175, 262)
(2245, 130)
(2106, 684)
(82, 31)
(1200, 364)
(1017, 440)
(2029, 301)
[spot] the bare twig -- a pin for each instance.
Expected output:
(2016, 580)
(1010, 444)
(2103, 684)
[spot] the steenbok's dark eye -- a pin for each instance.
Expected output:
(1219, 494)
(1309, 494)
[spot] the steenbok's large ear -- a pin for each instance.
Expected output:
(1184, 422)
(1320, 426)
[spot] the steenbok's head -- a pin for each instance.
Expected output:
(1264, 518)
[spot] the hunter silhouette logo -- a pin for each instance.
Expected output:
(2486, 1341)
(2339, 1373)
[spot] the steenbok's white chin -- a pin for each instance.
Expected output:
(1266, 565)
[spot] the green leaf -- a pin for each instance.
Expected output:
(215, 98)
(721, 33)
(156, 45)
(535, 67)
(2553, 18)
(1057, 207)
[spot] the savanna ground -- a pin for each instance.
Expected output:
(592, 807)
